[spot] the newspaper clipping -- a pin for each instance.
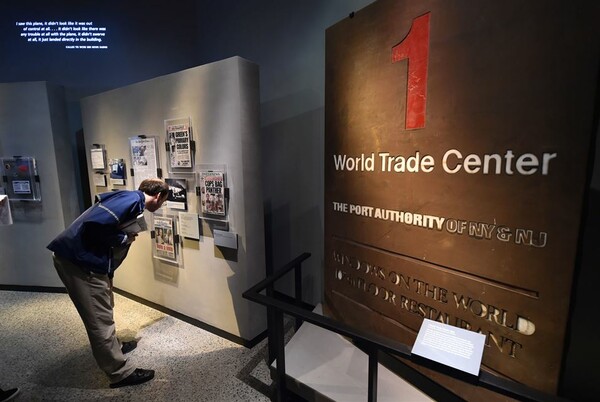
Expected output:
(180, 150)
(164, 236)
(143, 158)
(212, 193)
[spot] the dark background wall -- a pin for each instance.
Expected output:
(286, 39)
(150, 38)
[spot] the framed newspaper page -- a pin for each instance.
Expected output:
(144, 158)
(212, 193)
(179, 145)
(165, 242)
(20, 177)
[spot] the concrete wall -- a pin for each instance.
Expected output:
(33, 124)
(221, 99)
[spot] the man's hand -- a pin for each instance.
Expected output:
(131, 237)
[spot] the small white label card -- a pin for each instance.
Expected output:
(188, 225)
(451, 346)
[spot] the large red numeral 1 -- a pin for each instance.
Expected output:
(415, 48)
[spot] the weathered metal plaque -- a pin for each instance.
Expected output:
(456, 150)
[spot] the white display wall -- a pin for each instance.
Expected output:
(222, 102)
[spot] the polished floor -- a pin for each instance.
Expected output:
(44, 351)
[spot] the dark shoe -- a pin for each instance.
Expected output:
(137, 377)
(8, 395)
(128, 346)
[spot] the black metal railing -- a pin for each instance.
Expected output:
(372, 344)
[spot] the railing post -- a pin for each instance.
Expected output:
(270, 329)
(298, 290)
(373, 362)
(280, 391)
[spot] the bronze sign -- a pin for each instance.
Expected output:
(457, 136)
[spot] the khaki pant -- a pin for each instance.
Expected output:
(93, 298)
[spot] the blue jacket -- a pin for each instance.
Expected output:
(94, 241)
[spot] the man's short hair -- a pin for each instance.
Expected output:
(154, 186)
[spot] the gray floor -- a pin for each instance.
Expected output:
(44, 351)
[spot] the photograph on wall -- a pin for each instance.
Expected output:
(20, 175)
(179, 143)
(98, 157)
(164, 239)
(177, 198)
(118, 173)
(144, 158)
(212, 193)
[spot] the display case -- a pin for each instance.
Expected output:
(21, 179)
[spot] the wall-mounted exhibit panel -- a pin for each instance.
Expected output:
(182, 267)
(457, 137)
